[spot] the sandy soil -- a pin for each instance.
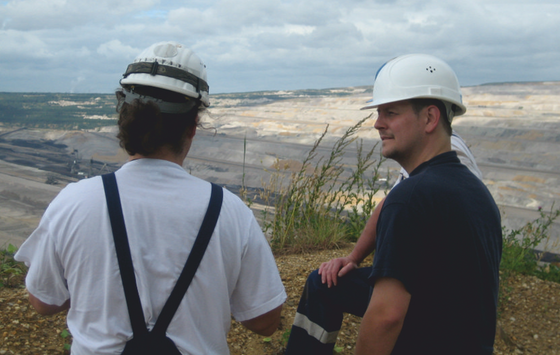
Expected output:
(529, 320)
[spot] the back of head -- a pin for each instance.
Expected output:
(162, 92)
(418, 76)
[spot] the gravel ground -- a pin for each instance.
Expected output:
(529, 320)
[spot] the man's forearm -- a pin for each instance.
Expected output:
(366, 243)
(265, 324)
(377, 338)
(384, 318)
(47, 309)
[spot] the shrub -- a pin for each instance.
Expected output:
(11, 271)
(323, 203)
(519, 245)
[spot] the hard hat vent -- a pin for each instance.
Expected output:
(402, 78)
(169, 66)
(166, 50)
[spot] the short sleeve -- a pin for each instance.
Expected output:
(396, 248)
(259, 288)
(45, 277)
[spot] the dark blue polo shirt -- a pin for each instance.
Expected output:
(440, 234)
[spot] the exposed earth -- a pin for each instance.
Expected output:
(512, 129)
(529, 320)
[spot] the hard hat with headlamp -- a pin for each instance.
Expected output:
(418, 76)
(169, 66)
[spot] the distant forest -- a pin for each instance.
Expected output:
(88, 111)
(57, 111)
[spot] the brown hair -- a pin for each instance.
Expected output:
(419, 104)
(144, 129)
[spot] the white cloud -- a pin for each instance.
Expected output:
(43, 14)
(275, 44)
(298, 29)
(16, 44)
(115, 49)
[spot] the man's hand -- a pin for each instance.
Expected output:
(332, 270)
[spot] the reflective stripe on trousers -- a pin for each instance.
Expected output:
(320, 311)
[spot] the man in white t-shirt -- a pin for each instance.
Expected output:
(71, 255)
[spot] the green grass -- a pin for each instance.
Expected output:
(519, 257)
(325, 202)
(518, 254)
(11, 271)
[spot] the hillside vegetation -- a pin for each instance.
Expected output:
(87, 111)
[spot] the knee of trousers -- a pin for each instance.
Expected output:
(351, 295)
(314, 280)
(314, 286)
(319, 312)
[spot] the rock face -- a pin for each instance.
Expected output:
(512, 129)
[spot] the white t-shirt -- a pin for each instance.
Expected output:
(72, 255)
(463, 152)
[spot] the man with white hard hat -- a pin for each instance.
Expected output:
(433, 286)
(152, 260)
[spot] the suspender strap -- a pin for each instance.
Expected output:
(197, 252)
(123, 255)
(134, 305)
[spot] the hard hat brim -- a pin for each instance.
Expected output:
(461, 108)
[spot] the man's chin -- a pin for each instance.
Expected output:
(390, 154)
(386, 152)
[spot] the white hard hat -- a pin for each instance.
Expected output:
(416, 76)
(170, 66)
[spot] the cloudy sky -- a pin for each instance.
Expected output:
(252, 45)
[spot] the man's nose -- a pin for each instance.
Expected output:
(379, 124)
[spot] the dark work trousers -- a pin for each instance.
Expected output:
(320, 311)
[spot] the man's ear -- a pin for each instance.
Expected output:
(432, 118)
(192, 131)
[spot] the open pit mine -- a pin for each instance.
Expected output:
(513, 130)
